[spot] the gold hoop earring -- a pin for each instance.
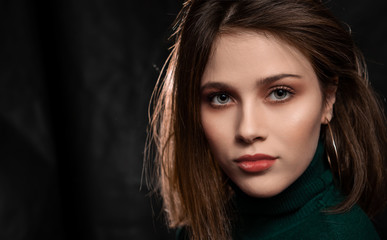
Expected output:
(333, 141)
(335, 149)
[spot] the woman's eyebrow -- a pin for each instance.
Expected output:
(271, 79)
(264, 81)
(217, 85)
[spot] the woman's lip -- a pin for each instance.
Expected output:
(255, 157)
(255, 163)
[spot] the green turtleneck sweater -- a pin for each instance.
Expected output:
(298, 212)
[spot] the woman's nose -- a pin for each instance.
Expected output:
(250, 125)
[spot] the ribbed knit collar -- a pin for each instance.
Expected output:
(311, 183)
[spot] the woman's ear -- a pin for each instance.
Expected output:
(330, 99)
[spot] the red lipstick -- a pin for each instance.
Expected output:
(255, 163)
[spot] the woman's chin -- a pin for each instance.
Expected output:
(262, 192)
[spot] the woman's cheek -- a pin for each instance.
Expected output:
(217, 125)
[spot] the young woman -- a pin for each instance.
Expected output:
(266, 127)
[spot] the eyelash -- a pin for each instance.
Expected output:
(212, 96)
(289, 91)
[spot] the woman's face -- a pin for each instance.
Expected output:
(261, 111)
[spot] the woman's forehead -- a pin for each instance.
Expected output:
(253, 53)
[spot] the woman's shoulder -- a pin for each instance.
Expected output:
(352, 224)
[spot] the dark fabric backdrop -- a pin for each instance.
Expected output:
(75, 81)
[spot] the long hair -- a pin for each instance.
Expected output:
(195, 191)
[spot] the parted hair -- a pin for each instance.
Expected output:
(194, 190)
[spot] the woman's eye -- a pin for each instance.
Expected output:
(220, 99)
(280, 94)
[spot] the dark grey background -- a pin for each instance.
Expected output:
(75, 82)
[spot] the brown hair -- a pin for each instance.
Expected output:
(194, 189)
